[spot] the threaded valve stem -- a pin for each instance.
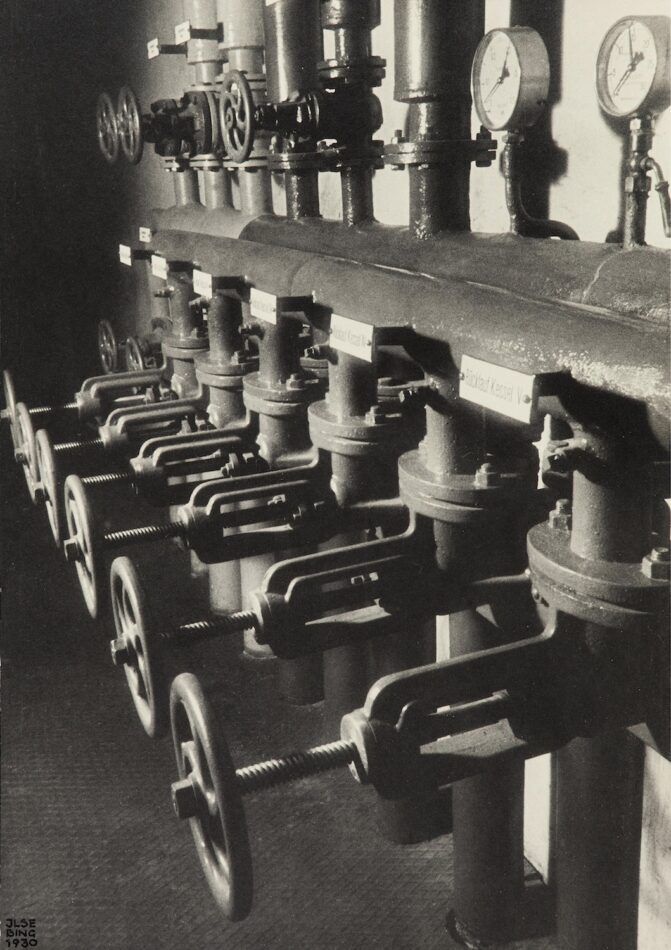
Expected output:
(107, 478)
(296, 765)
(80, 446)
(221, 626)
(47, 410)
(153, 532)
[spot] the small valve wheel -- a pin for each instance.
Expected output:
(81, 545)
(130, 125)
(26, 453)
(107, 347)
(10, 406)
(207, 793)
(107, 128)
(236, 114)
(136, 648)
(52, 483)
(139, 355)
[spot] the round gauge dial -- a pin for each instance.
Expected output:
(632, 73)
(510, 78)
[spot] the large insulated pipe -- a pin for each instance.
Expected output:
(294, 48)
(434, 44)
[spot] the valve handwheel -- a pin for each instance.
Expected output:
(107, 128)
(236, 115)
(26, 452)
(107, 347)
(138, 356)
(207, 793)
(10, 406)
(51, 481)
(130, 125)
(83, 542)
(136, 648)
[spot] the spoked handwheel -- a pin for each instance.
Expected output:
(236, 116)
(137, 648)
(83, 543)
(51, 480)
(139, 355)
(107, 347)
(129, 120)
(26, 451)
(107, 128)
(207, 793)
(9, 393)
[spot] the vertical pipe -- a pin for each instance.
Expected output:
(185, 182)
(599, 781)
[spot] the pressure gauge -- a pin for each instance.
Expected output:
(510, 78)
(632, 70)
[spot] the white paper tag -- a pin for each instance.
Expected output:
(125, 255)
(183, 32)
(350, 336)
(145, 235)
(497, 388)
(159, 266)
(263, 305)
(202, 283)
(153, 49)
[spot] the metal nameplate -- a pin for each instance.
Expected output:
(353, 337)
(159, 266)
(263, 305)
(153, 49)
(183, 32)
(202, 283)
(497, 388)
(145, 235)
(125, 255)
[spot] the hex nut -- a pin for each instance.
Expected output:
(656, 567)
(119, 651)
(184, 799)
(72, 550)
(487, 476)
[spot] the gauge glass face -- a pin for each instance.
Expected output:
(630, 68)
(498, 81)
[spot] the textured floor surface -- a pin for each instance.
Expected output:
(90, 847)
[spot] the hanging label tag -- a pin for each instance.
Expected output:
(159, 266)
(153, 49)
(263, 305)
(350, 336)
(145, 235)
(497, 388)
(183, 32)
(202, 283)
(125, 255)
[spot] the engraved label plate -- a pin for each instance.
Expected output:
(497, 388)
(145, 235)
(183, 32)
(153, 49)
(263, 305)
(159, 266)
(202, 283)
(125, 255)
(350, 336)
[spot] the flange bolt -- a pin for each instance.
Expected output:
(119, 651)
(184, 799)
(487, 476)
(560, 517)
(657, 564)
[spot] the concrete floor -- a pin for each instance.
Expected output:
(90, 847)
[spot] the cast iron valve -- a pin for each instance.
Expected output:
(185, 127)
(322, 115)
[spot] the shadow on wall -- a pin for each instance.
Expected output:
(544, 162)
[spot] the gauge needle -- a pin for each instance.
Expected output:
(499, 82)
(636, 59)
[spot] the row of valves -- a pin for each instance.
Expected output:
(383, 500)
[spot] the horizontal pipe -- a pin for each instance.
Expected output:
(607, 351)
